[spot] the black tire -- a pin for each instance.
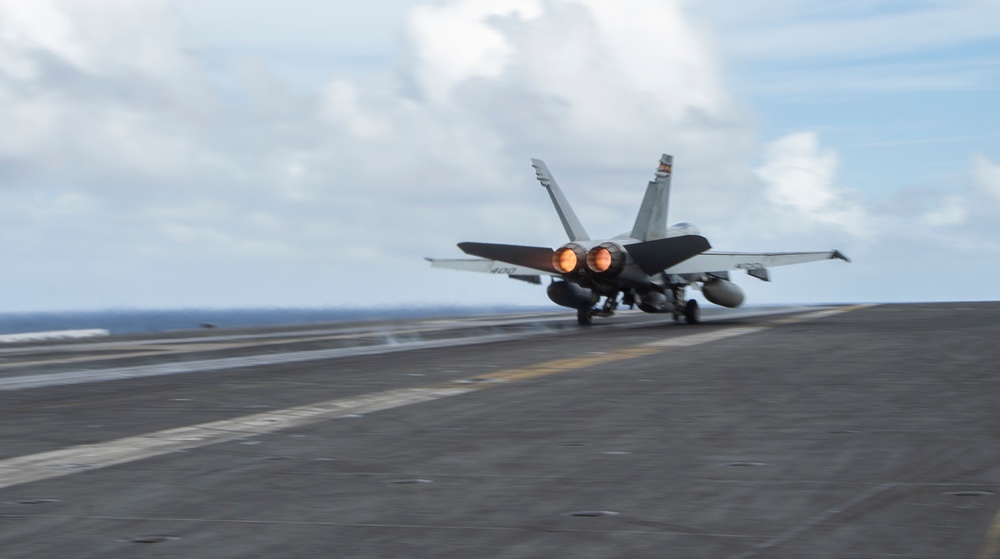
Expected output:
(692, 314)
(583, 317)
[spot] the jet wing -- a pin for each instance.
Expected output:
(708, 262)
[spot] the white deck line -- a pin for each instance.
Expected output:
(53, 335)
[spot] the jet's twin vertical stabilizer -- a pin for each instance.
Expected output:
(570, 222)
(651, 222)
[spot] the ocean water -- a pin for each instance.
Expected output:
(137, 321)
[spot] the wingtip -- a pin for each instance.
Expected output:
(840, 256)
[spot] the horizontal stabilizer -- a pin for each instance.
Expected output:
(537, 258)
(658, 255)
(484, 266)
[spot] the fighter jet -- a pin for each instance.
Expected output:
(650, 267)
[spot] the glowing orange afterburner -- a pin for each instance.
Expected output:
(565, 260)
(599, 259)
(606, 259)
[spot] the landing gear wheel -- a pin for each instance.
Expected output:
(691, 312)
(583, 317)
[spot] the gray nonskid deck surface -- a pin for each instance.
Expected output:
(869, 433)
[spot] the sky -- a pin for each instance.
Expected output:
(308, 153)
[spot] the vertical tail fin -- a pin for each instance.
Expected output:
(570, 222)
(651, 222)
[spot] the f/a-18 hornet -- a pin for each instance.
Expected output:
(649, 267)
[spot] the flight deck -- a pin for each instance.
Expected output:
(829, 432)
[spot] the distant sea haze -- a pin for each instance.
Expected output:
(141, 321)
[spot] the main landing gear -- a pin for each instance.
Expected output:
(688, 310)
(692, 314)
(585, 316)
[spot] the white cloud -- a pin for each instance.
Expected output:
(100, 37)
(38, 25)
(986, 176)
(799, 181)
(951, 212)
(457, 41)
(573, 50)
